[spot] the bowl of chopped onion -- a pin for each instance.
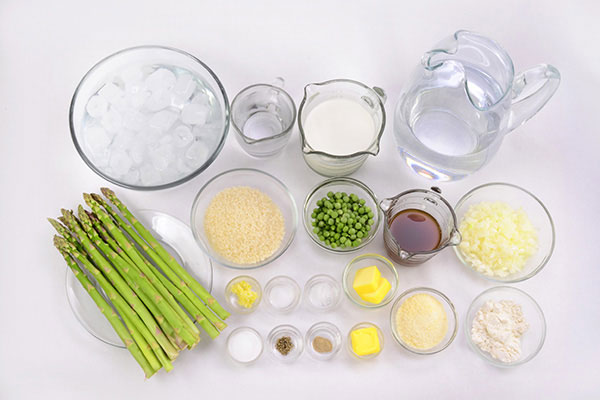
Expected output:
(507, 232)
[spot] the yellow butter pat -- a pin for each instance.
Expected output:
(366, 280)
(379, 294)
(365, 341)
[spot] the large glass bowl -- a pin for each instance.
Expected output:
(138, 57)
(256, 179)
(531, 341)
(517, 198)
(342, 184)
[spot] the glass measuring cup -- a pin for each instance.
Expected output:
(371, 99)
(262, 117)
(430, 202)
(461, 101)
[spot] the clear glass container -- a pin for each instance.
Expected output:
(143, 57)
(460, 102)
(266, 183)
(532, 340)
(387, 269)
(450, 315)
(322, 293)
(430, 202)
(342, 184)
(371, 99)
(517, 198)
(233, 300)
(296, 337)
(262, 117)
(253, 354)
(362, 325)
(176, 238)
(282, 294)
(325, 330)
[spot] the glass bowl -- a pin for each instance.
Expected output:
(232, 298)
(241, 330)
(176, 238)
(450, 314)
(362, 325)
(117, 161)
(531, 341)
(282, 294)
(322, 293)
(517, 198)
(343, 184)
(254, 178)
(387, 270)
(325, 330)
(294, 334)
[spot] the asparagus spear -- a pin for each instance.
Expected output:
(146, 360)
(164, 267)
(117, 300)
(118, 263)
(159, 300)
(157, 279)
(122, 288)
(178, 269)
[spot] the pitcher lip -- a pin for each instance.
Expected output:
(306, 149)
(283, 132)
(454, 220)
(427, 65)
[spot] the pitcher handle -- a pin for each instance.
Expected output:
(531, 91)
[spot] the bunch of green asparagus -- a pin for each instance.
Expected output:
(153, 310)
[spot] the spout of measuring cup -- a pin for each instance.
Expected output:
(455, 238)
(404, 255)
(385, 204)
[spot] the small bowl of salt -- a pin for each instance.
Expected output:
(282, 294)
(244, 345)
(322, 293)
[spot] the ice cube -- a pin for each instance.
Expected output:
(182, 136)
(150, 135)
(182, 167)
(149, 176)
(132, 75)
(163, 120)
(133, 119)
(132, 177)
(112, 121)
(158, 101)
(184, 88)
(110, 92)
(120, 163)
(160, 80)
(96, 139)
(194, 114)
(123, 140)
(162, 157)
(197, 152)
(137, 152)
(96, 106)
(139, 98)
(200, 98)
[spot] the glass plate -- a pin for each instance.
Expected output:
(177, 239)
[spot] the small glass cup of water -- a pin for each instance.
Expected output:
(263, 116)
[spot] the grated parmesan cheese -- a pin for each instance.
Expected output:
(421, 321)
(244, 225)
(497, 240)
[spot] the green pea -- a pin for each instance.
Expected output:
(330, 194)
(336, 236)
(345, 199)
(334, 245)
(316, 230)
(320, 216)
(327, 242)
(345, 229)
(321, 224)
(321, 238)
(362, 202)
(368, 228)
(343, 240)
(361, 210)
(314, 223)
(370, 214)
(359, 234)
(343, 246)
(352, 237)
(328, 204)
(338, 195)
(356, 242)
(337, 205)
(319, 203)
(354, 197)
(352, 231)
(330, 221)
(343, 220)
(371, 221)
(358, 225)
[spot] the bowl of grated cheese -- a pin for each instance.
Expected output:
(244, 218)
(507, 232)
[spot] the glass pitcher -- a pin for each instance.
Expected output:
(461, 101)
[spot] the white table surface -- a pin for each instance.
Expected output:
(46, 47)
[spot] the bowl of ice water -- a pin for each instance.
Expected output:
(149, 117)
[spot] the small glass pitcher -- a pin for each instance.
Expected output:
(430, 202)
(372, 99)
(461, 101)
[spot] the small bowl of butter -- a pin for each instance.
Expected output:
(370, 280)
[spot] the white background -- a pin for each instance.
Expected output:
(46, 47)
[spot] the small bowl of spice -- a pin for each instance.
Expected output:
(323, 341)
(243, 294)
(505, 326)
(341, 215)
(370, 280)
(423, 321)
(244, 218)
(365, 341)
(285, 342)
(322, 293)
(507, 232)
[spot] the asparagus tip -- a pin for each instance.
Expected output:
(107, 192)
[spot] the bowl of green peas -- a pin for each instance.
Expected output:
(341, 214)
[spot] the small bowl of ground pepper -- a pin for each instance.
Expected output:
(323, 341)
(285, 343)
